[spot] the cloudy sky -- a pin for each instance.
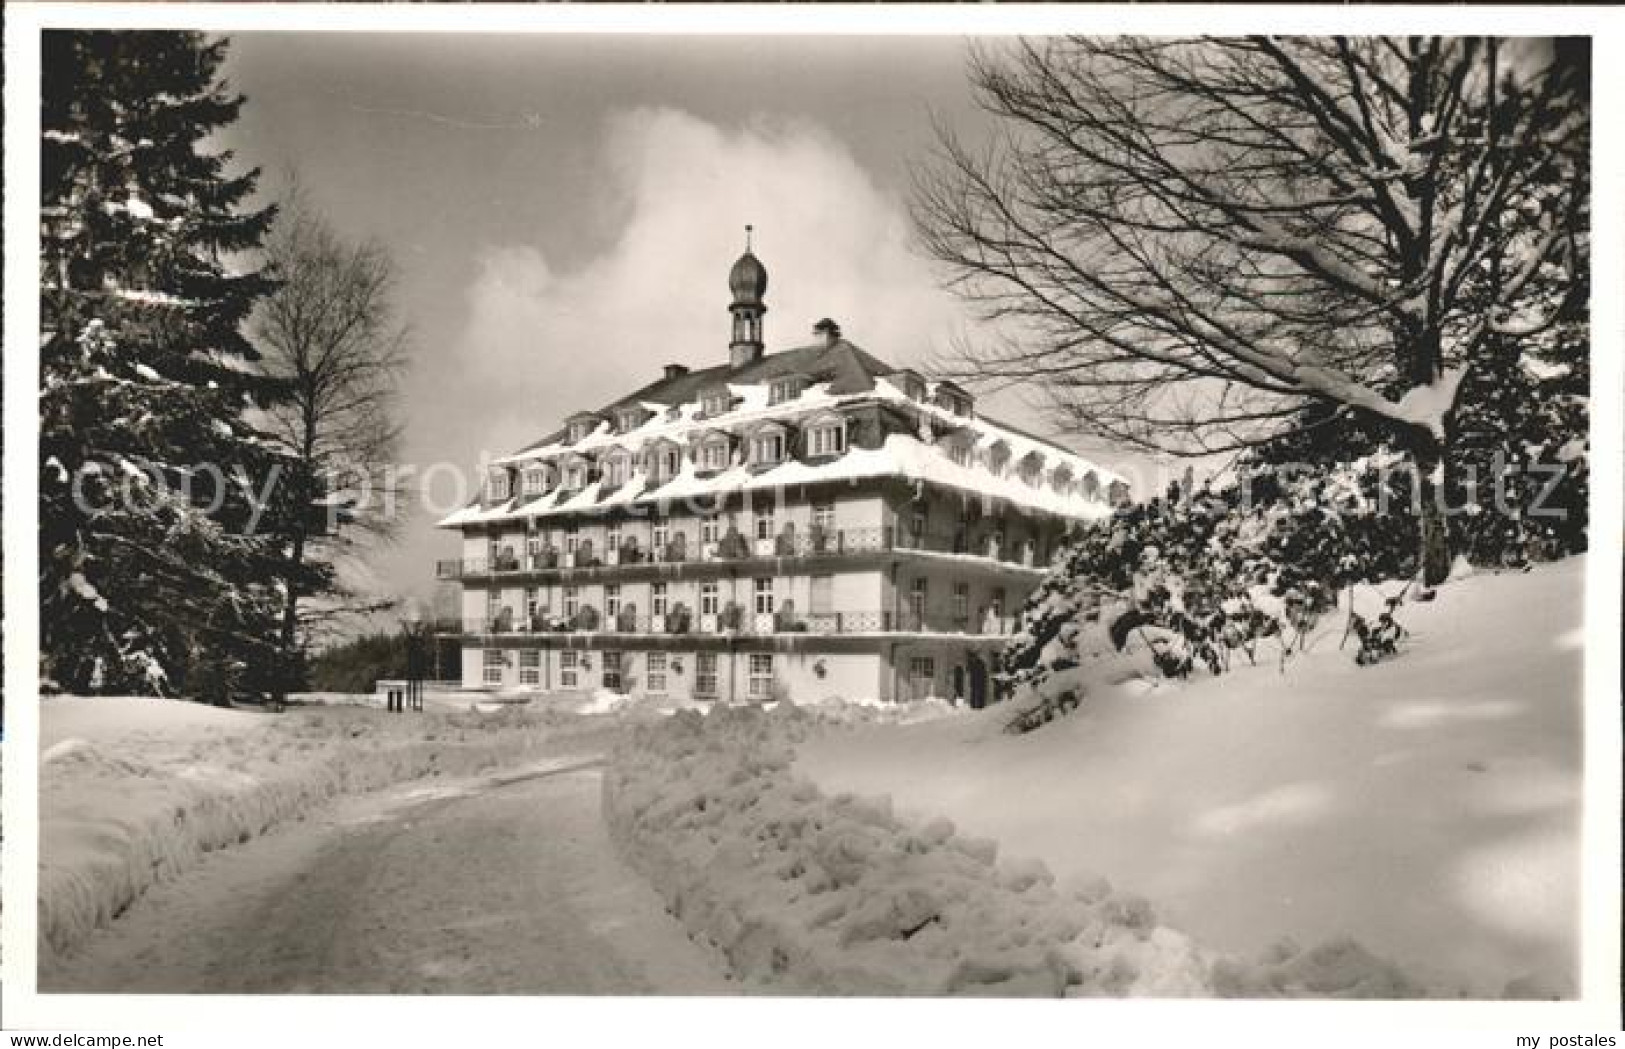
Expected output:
(564, 209)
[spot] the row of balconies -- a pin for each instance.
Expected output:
(734, 547)
(734, 620)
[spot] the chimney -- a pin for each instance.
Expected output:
(676, 371)
(829, 331)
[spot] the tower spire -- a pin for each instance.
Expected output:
(748, 283)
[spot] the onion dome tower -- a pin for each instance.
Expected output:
(747, 281)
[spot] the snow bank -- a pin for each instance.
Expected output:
(1428, 806)
(806, 893)
(135, 790)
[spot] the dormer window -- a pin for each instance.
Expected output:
(1091, 486)
(575, 475)
(533, 480)
(497, 485)
(616, 469)
(997, 456)
(767, 445)
(580, 427)
(715, 402)
(663, 460)
(786, 389)
(826, 436)
(952, 398)
(911, 384)
(958, 445)
(714, 453)
(1031, 468)
(1061, 479)
(629, 419)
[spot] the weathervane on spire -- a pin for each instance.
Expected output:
(748, 228)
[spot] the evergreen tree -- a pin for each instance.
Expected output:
(158, 496)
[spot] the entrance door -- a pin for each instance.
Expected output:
(978, 683)
(959, 684)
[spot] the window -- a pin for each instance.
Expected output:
(580, 429)
(661, 536)
(829, 439)
(572, 539)
(670, 463)
(612, 600)
(631, 419)
(497, 484)
(612, 671)
(996, 603)
(922, 670)
(657, 599)
(532, 603)
(714, 403)
(493, 603)
(708, 530)
(655, 673)
(612, 539)
(575, 476)
(916, 524)
(959, 453)
(615, 471)
(768, 447)
(764, 596)
(916, 597)
(569, 663)
(530, 667)
(783, 390)
(494, 662)
(761, 675)
(714, 455)
(572, 601)
(823, 590)
(961, 600)
(823, 517)
(764, 526)
(708, 598)
(705, 674)
(535, 481)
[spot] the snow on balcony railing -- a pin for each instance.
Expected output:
(764, 624)
(735, 548)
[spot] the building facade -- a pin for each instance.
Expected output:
(805, 524)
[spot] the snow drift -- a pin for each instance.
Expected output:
(1428, 805)
(807, 893)
(135, 790)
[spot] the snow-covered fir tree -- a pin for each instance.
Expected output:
(159, 506)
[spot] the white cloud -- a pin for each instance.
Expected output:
(541, 342)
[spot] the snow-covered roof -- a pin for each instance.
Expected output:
(850, 377)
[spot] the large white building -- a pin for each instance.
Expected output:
(809, 523)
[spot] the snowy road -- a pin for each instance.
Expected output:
(511, 888)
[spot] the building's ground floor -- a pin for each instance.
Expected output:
(898, 668)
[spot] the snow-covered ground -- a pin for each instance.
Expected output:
(134, 790)
(1428, 806)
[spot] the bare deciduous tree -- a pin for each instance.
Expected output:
(331, 335)
(1188, 242)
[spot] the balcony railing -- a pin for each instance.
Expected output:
(736, 548)
(748, 624)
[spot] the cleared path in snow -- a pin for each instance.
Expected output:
(510, 889)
